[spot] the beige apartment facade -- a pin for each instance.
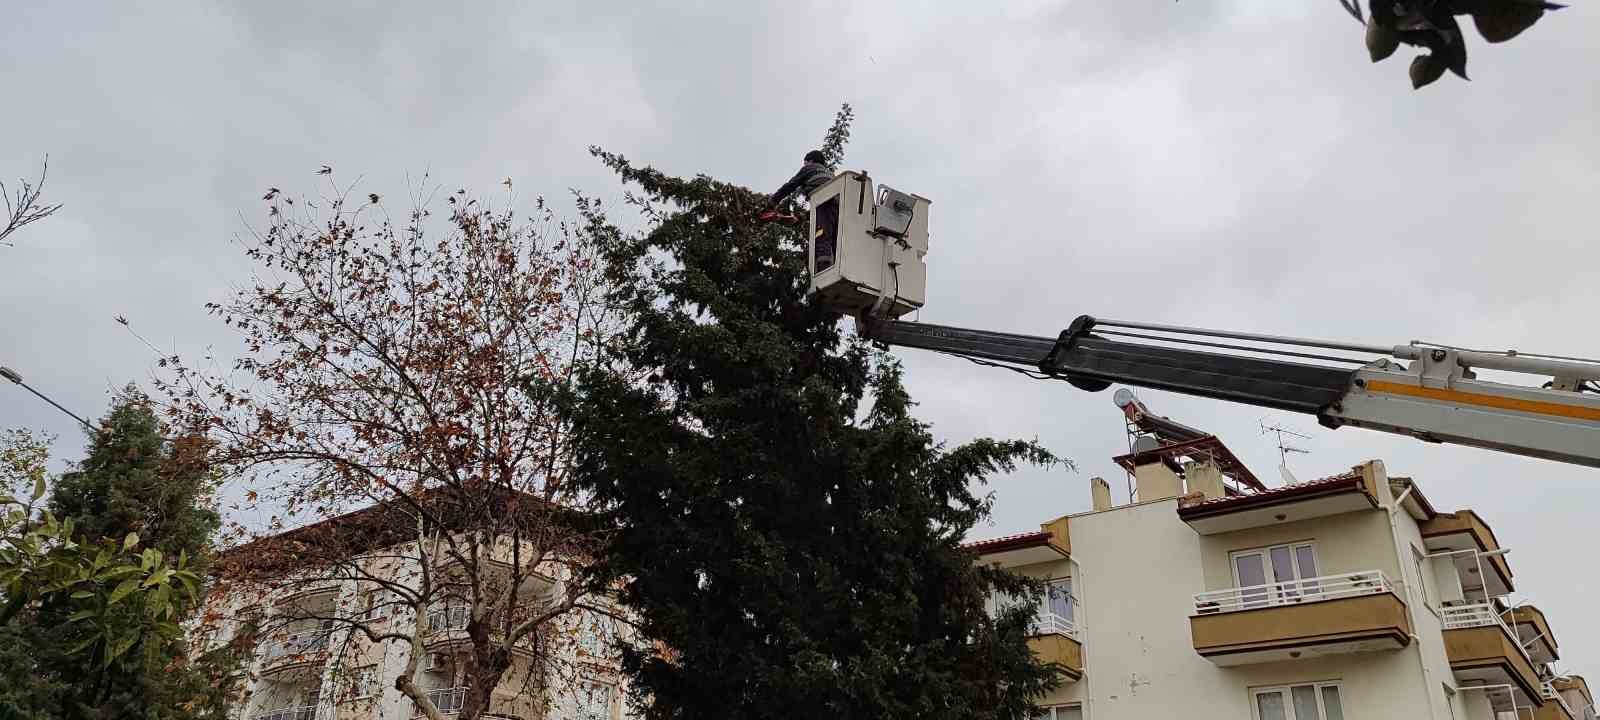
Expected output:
(1346, 598)
(313, 660)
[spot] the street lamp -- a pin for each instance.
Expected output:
(16, 377)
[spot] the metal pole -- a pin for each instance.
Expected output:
(1305, 342)
(16, 377)
(1482, 578)
(1514, 363)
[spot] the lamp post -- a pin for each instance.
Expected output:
(16, 377)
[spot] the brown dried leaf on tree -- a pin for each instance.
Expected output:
(398, 402)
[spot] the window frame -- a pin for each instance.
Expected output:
(1071, 594)
(1265, 551)
(1287, 691)
(373, 604)
(1418, 558)
(1275, 596)
(369, 672)
(998, 601)
(1050, 712)
(590, 689)
(598, 635)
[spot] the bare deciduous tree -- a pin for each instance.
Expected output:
(23, 207)
(414, 375)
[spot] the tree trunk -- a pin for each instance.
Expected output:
(488, 664)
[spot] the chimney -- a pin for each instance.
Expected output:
(1100, 490)
(1156, 481)
(1204, 478)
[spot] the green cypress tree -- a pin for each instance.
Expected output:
(133, 481)
(785, 528)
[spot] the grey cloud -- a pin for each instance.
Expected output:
(1237, 165)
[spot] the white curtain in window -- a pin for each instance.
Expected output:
(1059, 597)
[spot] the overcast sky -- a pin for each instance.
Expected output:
(1224, 164)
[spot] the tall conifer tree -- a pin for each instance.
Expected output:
(788, 533)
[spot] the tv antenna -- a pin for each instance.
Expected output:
(1285, 448)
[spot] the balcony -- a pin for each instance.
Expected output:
(319, 596)
(1054, 638)
(449, 701)
(301, 650)
(1330, 615)
(1555, 708)
(1484, 651)
(1575, 692)
(447, 626)
(1481, 575)
(302, 712)
(1534, 633)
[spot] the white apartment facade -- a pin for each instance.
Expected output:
(1346, 598)
(310, 662)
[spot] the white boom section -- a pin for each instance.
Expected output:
(1439, 399)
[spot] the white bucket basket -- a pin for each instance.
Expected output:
(867, 248)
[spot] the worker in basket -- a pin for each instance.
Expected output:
(813, 174)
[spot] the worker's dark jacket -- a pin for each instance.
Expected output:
(811, 176)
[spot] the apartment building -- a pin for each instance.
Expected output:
(1213, 596)
(313, 658)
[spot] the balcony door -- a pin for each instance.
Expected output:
(1275, 575)
(1058, 598)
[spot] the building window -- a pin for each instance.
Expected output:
(1058, 598)
(1053, 613)
(373, 604)
(1422, 582)
(594, 701)
(363, 682)
(1312, 701)
(1275, 575)
(1060, 712)
(597, 635)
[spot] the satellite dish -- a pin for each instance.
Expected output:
(1124, 397)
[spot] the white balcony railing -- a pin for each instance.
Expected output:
(1327, 587)
(300, 643)
(1049, 623)
(1456, 617)
(302, 712)
(447, 700)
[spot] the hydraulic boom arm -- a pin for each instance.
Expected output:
(867, 253)
(1437, 397)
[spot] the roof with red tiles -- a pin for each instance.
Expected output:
(1008, 542)
(1335, 483)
